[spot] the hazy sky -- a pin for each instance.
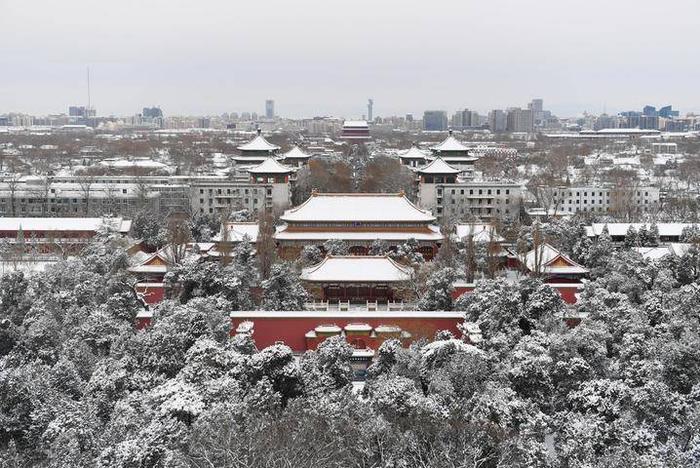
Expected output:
(326, 57)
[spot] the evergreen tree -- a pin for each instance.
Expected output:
(438, 291)
(336, 247)
(631, 238)
(283, 290)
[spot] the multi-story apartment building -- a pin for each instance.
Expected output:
(451, 198)
(165, 195)
(520, 120)
(37, 197)
(571, 200)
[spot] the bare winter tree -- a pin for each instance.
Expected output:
(266, 249)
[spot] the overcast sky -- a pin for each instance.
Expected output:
(326, 57)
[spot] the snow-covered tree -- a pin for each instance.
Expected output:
(336, 247)
(438, 290)
(283, 290)
(310, 255)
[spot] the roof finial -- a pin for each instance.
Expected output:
(402, 193)
(259, 130)
(314, 192)
(449, 131)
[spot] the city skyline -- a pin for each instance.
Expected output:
(312, 61)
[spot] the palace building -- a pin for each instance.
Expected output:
(355, 130)
(255, 151)
(454, 153)
(359, 219)
(357, 279)
(295, 157)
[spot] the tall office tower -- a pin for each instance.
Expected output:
(457, 120)
(435, 121)
(668, 112)
(270, 109)
(650, 111)
(77, 111)
(520, 120)
(536, 105)
(497, 121)
(370, 104)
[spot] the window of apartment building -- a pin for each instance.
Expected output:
(439, 191)
(123, 190)
(498, 191)
(453, 191)
(201, 191)
(461, 192)
(507, 191)
(480, 191)
(471, 192)
(488, 192)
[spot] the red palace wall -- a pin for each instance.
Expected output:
(151, 293)
(292, 331)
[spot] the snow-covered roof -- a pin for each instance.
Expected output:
(144, 163)
(270, 166)
(64, 224)
(479, 232)
(387, 329)
(353, 269)
(259, 143)
(357, 207)
(295, 153)
(355, 124)
(449, 144)
(413, 153)
(328, 329)
(358, 327)
(547, 259)
(236, 231)
(438, 166)
(431, 234)
(620, 229)
(655, 253)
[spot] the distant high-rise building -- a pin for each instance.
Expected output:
(435, 121)
(650, 111)
(667, 112)
(370, 104)
(152, 113)
(270, 109)
(497, 121)
(649, 122)
(520, 120)
(536, 105)
(77, 111)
